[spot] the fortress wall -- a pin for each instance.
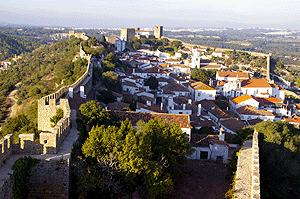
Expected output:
(5, 148)
(50, 179)
(6, 188)
(248, 172)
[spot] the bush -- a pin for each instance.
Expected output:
(20, 176)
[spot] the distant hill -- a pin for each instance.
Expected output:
(9, 46)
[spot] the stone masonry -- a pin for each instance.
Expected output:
(247, 175)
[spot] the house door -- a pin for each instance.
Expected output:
(219, 159)
(203, 155)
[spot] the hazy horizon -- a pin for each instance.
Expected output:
(145, 14)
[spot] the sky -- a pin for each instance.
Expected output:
(148, 13)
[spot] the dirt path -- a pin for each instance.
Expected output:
(201, 179)
(11, 96)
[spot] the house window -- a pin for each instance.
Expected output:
(199, 94)
(180, 112)
(203, 155)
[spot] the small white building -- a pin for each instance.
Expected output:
(120, 44)
(200, 91)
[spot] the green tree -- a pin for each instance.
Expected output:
(92, 41)
(111, 81)
(152, 82)
(93, 114)
(55, 119)
(106, 96)
(279, 159)
(136, 45)
(200, 75)
(147, 161)
(143, 40)
(184, 55)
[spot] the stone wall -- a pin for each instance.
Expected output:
(5, 148)
(51, 138)
(28, 146)
(248, 174)
(6, 188)
(50, 179)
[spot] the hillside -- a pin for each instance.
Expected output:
(10, 46)
(39, 73)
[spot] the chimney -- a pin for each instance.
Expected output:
(133, 70)
(199, 109)
(222, 134)
(161, 106)
(184, 106)
(148, 103)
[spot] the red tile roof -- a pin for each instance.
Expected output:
(255, 83)
(232, 124)
(241, 98)
(151, 108)
(201, 86)
(174, 87)
(248, 110)
(232, 74)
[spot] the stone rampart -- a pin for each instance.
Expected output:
(6, 188)
(49, 179)
(5, 148)
(248, 173)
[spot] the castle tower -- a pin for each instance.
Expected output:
(127, 34)
(158, 31)
(269, 67)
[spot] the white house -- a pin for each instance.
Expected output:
(243, 100)
(200, 91)
(231, 76)
(250, 113)
(175, 90)
(120, 44)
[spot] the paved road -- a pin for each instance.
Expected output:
(63, 152)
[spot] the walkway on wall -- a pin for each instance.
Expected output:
(63, 152)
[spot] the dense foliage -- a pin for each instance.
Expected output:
(145, 158)
(22, 168)
(279, 159)
(93, 114)
(203, 75)
(11, 46)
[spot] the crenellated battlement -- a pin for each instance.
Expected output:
(5, 148)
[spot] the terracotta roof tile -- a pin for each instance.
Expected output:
(218, 113)
(248, 110)
(241, 98)
(151, 108)
(174, 87)
(201, 86)
(232, 124)
(255, 83)
(232, 74)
